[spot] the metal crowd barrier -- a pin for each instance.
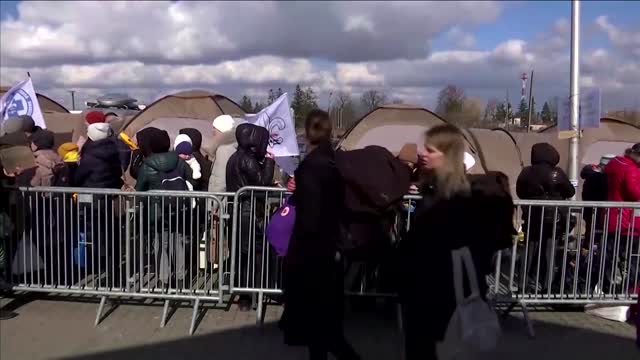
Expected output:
(568, 254)
(150, 245)
(209, 247)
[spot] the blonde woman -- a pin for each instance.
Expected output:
(456, 211)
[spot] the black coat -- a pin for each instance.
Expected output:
(425, 275)
(313, 279)
(99, 166)
(248, 165)
(595, 184)
(543, 180)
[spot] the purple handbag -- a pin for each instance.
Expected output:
(280, 228)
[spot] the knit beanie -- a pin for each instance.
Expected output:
(43, 139)
(183, 145)
(409, 153)
(99, 131)
(195, 136)
(94, 117)
(223, 123)
(69, 152)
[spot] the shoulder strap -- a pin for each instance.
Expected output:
(459, 258)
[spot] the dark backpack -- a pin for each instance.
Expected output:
(173, 181)
(61, 175)
(375, 184)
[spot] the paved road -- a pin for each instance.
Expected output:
(56, 329)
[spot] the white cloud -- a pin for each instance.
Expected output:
(152, 48)
(189, 32)
(460, 38)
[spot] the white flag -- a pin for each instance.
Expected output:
(282, 131)
(21, 99)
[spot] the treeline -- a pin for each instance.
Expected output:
(453, 105)
(341, 105)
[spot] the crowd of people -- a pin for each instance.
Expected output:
(328, 187)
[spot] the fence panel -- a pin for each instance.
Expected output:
(154, 245)
(572, 253)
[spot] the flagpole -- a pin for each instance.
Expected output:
(575, 92)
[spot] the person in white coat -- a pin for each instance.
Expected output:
(224, 145)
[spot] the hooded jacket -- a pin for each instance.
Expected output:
(99, 166)
(205, 164)
(544, 180)
(224, 147)
(155, 166)
(150, 140)
(248, 165)
(623, 179)
(45, 160)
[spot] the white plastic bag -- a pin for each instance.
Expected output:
(474, 327)
(27, 258)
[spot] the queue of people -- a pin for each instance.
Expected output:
(450, 215)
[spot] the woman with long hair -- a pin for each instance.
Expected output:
(313, 269)
(456, 211)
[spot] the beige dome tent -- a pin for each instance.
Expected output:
(612, 137)
(194, 104)
(392, 126)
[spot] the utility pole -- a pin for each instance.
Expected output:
(506, 112)
(530, 101)
(73, 99)
(574, 146)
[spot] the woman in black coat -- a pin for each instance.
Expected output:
(313, 269)
(456, 211)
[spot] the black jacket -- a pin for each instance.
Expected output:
(201, 184)
(248, 166)
(153, 167)
(312, 277)
(99, 166)
(544, 180)
(595, 184)
(440, 226)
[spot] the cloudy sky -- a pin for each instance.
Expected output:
(408, 49)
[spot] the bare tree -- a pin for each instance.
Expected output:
(450, 100)
(490, 111)
(372, 99)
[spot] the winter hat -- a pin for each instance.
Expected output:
(604, 160)
(94, 117)
(409, 153)
(223, 123)
(99, 131)
(182, 145)
(195, 136)
(43, 139)
(69, 152)
(635, 149)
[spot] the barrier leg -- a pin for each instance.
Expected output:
(165, 312)
(103, 300)
(527, 320)
(194, 316)
(260, 309)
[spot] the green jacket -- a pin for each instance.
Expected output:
(156, 165)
